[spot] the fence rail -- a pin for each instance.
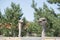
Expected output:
(29, 38)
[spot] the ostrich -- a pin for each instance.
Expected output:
(42, 22)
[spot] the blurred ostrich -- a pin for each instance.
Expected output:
(42, 22)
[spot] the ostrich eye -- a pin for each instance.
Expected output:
(40, 21)
(43, 20)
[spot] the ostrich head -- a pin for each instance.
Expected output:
(42, 21)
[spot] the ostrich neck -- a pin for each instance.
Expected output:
(43, 30)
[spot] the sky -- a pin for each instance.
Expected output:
(27, 10)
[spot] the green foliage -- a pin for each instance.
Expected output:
(52, 27)
(14, 13)
(11, 17)
(53, 1)
(34, 28)
(57, 2)
(24, 31)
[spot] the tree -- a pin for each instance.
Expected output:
(0, 16)
(57, 2)
(23, 28)
(34, 28)
(53, 1)
(11, 17)
(52, 18)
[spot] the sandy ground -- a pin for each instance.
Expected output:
(10, 38)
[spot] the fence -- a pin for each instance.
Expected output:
(29, 38)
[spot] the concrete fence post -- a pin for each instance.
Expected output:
(20, 25)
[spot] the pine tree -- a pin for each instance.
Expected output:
(52, 27)
(53, 1)
(11, 17)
